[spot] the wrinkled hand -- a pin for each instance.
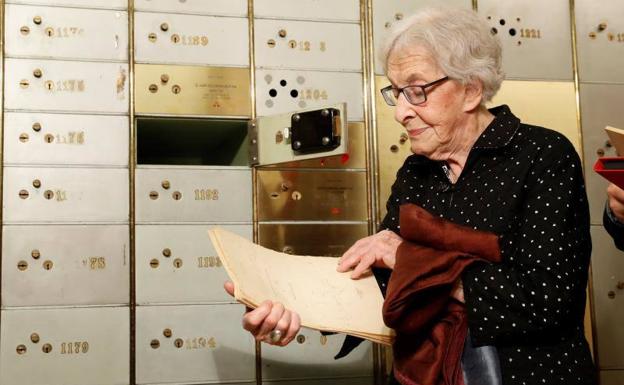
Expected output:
(458, 291)
(378, 250)
(616, 201)
(267, 317)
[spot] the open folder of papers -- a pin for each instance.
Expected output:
(324, 298)
(612, 168)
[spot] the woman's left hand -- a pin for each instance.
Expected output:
(378, 250)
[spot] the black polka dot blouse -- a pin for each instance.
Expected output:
(525, 184)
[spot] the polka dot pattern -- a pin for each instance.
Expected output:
(525, 184)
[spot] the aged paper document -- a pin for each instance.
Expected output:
(324, 298)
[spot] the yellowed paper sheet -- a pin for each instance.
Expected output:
(616, 136)
(324, 298)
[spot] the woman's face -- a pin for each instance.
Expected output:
(434, 127)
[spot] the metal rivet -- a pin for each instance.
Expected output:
(176, 89)
(155, 344)
(325, 140)
(592, 35)
(23, 137)
(288, 250)
(296, 117)
(301, 338)
(398, 16)
(153, 195)
(600, 152)
(37, 20)
(154, 263)
(36, 126)
(602, 26)
(48, 138)
(177, 263)
(394, 148)
(297, 145)
(284, 186)
(36, 183)
(325, 112)
(611, 294)
(37, 73)
(24, 30)
(165, 184)
(608, 144)
(152, 37)
(153, 88)
(166, 252)
(164, 27)
(611, 36)
(164, 78)
(178, 343)
(49, 32)
(48, 265)
(271, 43)
(22, 265)
(34, 338)
(24, 83)
(167, 333)
(23, 194)
(48, 194)
(35, 254)
(21, 349)
(47, 348)
(282, 33)
(176, 195)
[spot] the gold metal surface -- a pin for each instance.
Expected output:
(219, 91)
(356, 158)
(312, 195)
(2, 72)
(548, 104)
(330, 240)
(131, 191)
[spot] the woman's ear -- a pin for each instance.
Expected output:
(474, 95)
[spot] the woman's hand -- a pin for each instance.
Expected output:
(270, 317)
(616, 201)
(378, 250)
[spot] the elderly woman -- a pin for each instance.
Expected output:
(486, 170)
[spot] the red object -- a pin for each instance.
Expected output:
(613, 175)
(430, 325)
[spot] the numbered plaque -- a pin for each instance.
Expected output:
(280, 91)
(600, 40)
(387, 12)
(179, 344)
(55, 139)
(178, 264)
(199, 7)
(65, 265)
(312, 195)
(87, 346)
(65, 195)
(536, 37)
(67, 33)
(188, 90)
(193, 194)
(311, 355)
(51, 85)
(308, 45)
(185, 39)
(320, 10)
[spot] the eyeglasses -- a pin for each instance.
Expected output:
(413, 94)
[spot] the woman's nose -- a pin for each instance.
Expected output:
(403, 109)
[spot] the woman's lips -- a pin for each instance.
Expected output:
(416, 131)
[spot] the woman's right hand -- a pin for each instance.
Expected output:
(616, 201)
(267, 317)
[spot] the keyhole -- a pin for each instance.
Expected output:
(47, 348)
(176, 89)
(49, 138)
(48, 194)
(49, 85)
(177, 195)
(292, 44)
(48, 265)
(49, 32)
(175, 38)
(177, 263)
(296, 196)
(178, 343)
(301, 338)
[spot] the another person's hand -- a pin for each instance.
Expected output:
(378, 250)
(458, 291)
(616, 201)
(267, 318)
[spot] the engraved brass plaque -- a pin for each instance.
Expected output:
(355, 158)
(191, 90)
(326, 239)
(312, 195)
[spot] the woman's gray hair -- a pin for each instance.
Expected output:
(459, 41)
